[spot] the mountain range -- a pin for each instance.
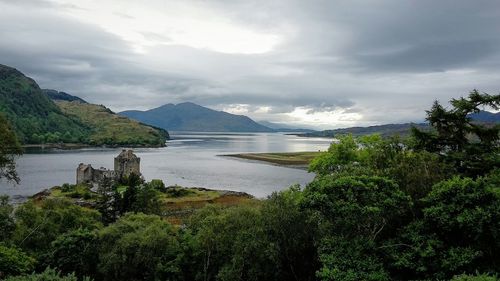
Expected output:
(397, 129)
(188, 116)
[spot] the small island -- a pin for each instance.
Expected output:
(119, 190)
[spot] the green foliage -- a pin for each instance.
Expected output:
(414, 171)
(37, 119)
(9, 150)
(38, 226)
(458, 232)
(355, 215)
(7, 224)
(337, 157)
(34, 116)
(367, 205)
(472, 148)
(48, 275)
(292, 231)
(75, 251)
(109, 128)
(147, 201)
(349, 260)
(230, 244)
(14, 261)
(139, 247)
(157, 185)
(481, 277)
(177, 191)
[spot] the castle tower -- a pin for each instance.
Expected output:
(84, 173)
(127, 163)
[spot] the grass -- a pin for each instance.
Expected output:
(74, 191)
(178, 208)
(178, 203)
(285, 158)
(111, 128)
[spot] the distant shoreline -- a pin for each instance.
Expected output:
(298, 160)
(70, 146)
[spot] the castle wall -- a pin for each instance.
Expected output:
(125, 164)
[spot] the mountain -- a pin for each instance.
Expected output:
(61, 96)
(37, 119)
(192, 117)
(278, 127)
(33, 115)
(486, 116)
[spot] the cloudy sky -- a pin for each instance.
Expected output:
(323, 64)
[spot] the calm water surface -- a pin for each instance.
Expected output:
(190, 160)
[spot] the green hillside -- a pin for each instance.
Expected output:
(37, 119)
(110, 128)
(34, 116)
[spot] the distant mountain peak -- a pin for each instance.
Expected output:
(188, 116)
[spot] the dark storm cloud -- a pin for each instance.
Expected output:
(384, 60)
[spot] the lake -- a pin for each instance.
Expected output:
(190, 160)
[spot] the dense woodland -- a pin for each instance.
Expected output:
(422, 208)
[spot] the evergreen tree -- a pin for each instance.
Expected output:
(9, 149)
(473, 148)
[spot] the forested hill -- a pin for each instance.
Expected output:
(34, 116)
(38, 119)
(192, 117)
(61, 96)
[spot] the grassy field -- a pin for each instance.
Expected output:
(285, 158)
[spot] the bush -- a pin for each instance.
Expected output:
(14, 261)
(48, 275)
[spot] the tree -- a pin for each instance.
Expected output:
(14, 261)
(356, 215)
(7, 224)
(40, 223)
(139, 247)
(48, 275)
(292, 233)
(338, 156)
(10, 148)
(459, 232)
(471, 147)
(231, 244)
(414, 171)
(75, 252)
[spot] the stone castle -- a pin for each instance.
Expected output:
(126, 163)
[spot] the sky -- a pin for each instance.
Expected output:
(320, 64)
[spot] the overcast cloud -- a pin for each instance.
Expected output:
(323, 64)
